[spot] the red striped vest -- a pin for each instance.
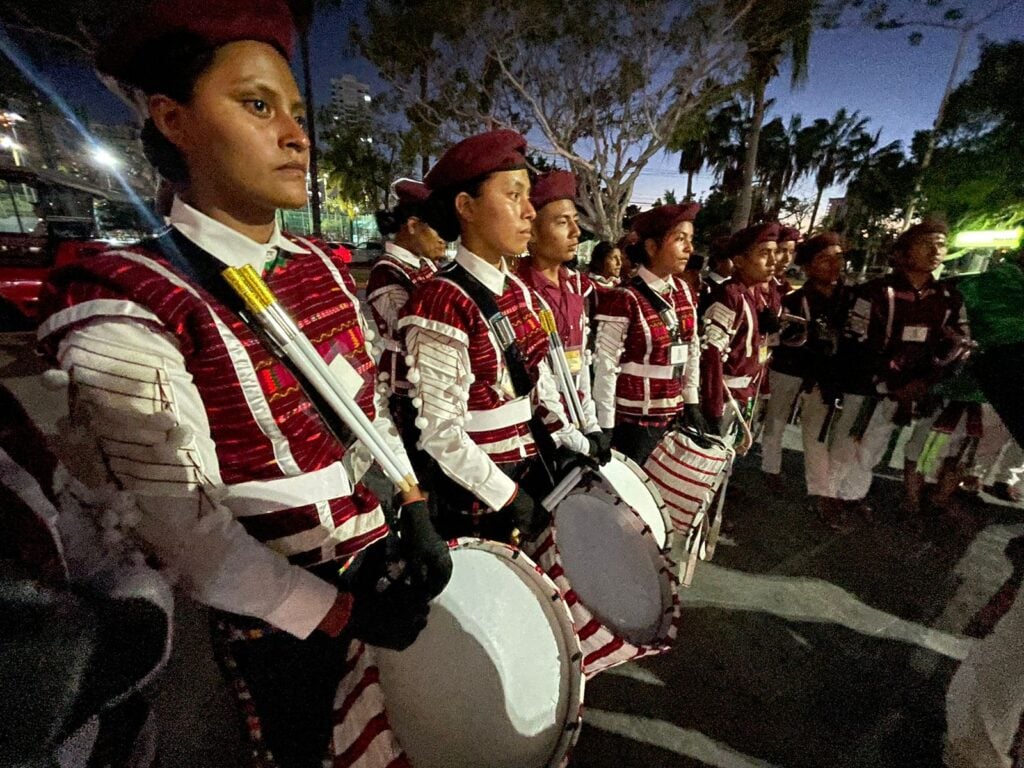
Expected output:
(264, 427)
(443, 302)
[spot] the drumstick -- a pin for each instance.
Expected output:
(561, 367)
(284, 331)
(561, 490)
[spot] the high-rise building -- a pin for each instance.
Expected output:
(350, 99)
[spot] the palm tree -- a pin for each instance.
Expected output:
(775, 30)
(691, 161)
(837, 149)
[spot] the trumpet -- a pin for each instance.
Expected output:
(793, 330)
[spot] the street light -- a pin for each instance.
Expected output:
(107, 160)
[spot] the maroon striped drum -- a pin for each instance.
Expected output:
(619, 585)
(494, 681)
(691, 473)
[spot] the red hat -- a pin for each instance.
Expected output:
(659, 221)
(552, 186)
(477, 156)
(410, 191)
(759, 233)
(216, 21)
(808, 249)
(789, 233)
(926, 227)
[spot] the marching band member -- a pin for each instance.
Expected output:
(235, 465)
(900, 329)
(565, 292)
(647, 351)
(789, 240)
(410, 258)
(477, 350)
(735, 347)
(605, 265)
(795, 370)
(720, 268)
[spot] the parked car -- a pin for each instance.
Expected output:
(368, 252)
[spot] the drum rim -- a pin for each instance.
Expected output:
(556, 607)
(641, 473)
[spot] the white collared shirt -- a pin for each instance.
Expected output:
(218, 562)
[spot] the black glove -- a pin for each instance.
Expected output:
(768, 321)
(600, 445)
(692, 417)
(527, 514)
(428, 560)
(386, 611)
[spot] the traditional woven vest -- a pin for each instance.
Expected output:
(271, 444)
(388, 271)
(641, 397)
(444, 306)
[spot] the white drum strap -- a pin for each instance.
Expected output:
(715, 529)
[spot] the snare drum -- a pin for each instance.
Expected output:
(636, 489)
(494, 681)
(620, 587)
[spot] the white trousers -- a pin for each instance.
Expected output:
(985, 700)
(813, 411)
(852, 462)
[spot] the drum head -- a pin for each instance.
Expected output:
(634, 487)
(614, 566)
(495, 680)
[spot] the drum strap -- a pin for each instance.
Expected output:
(513, 355)
(666, 311)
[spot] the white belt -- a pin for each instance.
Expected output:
(652, 371)
(510, 414)
(737, 382)
(258, 497)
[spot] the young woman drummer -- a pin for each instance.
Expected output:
(646, 362)
(242, 478)
(477, 349)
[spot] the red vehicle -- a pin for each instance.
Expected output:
(47, 221)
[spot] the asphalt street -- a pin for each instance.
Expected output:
(798, 648)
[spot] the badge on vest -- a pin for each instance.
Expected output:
(678, 354)
(575, 360)
(348, 376)
(762, 354)
(915, 333)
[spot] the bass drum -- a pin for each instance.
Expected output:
(621, 589)
(494, 681)
(634, 487)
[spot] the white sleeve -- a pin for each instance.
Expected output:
(566, 435)
(443, 368)
(608, 349)
(585, 389)
(691, 380)
(148, 430)
(388, 302)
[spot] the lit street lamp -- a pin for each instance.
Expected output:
(107, 160)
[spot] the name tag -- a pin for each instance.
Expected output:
(762, 355)
(348, 376)
(575, 360)
(678, 354)
(915, 333)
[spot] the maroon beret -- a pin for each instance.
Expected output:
(410, 191)
(926, 227)
(476, 157)
(552, 186)
(660, 220)
(759, 233)
(218, 22)
(789, 233)
(808, 249)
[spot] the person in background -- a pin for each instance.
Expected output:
(691, 273)
(795, 371)
(411, 254)
(605, 265)
(482, 382)
(646, 372)
(901, 330)
(241, 479)
(720, 268)
(734, 348)
(568, 294)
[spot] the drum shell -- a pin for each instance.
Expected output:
(366, 733)
(627, 477)
(604, 646)
(688, 476)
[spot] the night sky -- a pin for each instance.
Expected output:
(896, 85)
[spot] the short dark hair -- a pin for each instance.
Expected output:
(170, 65)
(390, 222)
(599, 256)
(439, 209)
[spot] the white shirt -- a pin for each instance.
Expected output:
(216, 560)
(389, 300)
(445, 369)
